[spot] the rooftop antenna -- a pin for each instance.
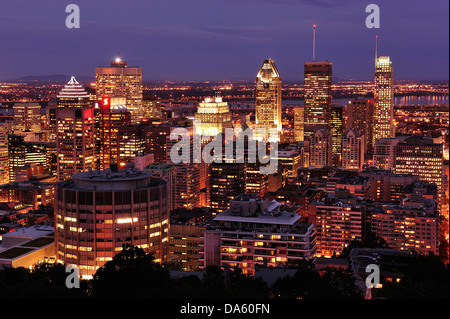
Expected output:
(376, 49)
(314, 43)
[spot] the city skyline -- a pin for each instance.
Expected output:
(223, 40)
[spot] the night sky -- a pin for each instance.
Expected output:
(223, 39)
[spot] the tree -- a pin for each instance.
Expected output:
(131, 274)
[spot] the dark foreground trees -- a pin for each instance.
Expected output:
(133, 274)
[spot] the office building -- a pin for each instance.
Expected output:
(120, 80)
(96, 212)
(317, 101)
(4, 166)
(353, 150)
(419, 155)
(226, 181)
(299, 123)
(383, 102)
(113, 115)
(268, 101)
(27, 117)
(384, 153)
(212, 117)
(75, 127)
(358, 115)
(321, 149)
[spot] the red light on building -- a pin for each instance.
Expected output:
(106, 102)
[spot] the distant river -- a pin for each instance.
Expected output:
(406, 100)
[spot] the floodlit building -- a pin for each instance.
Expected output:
(75, 126)
(213, 117)
(383, 102)
(268, 100)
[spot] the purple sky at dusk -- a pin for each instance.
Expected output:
(223, 39)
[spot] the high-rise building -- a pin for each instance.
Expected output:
(75, 140)
(419, 155)
(337, 130)
(317, 91)
(16, 154)
(383, 102)
(113, 115)
(132, 140)
(96, 212)
(320, 149)
(358, 115)
(213, 117)
(27, 117)
(187, 175)
(121, 80)
(226, 181)
(384, 153)
(256, 232)
(268, 101)
(4, 166)
(299, 123)
(151, 107)
(353, 150)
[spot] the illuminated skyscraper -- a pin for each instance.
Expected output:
(121, 80)
(337, 130)
(27, 117)
(317, 90)
(268, 100)
(383, 104)
(299, 123)
(419, 155)
(75, 125)
(213, 117)
(4, 167)
(112, 116)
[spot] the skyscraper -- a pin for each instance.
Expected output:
(383, 104)
(213, 117)
(317, 91)
(226, 181)
(4, 167)
(75, 125)
(419, 155)
(299, 123)
(27, 117)
(337, 130)
(352, 150)
(321, 149)
(112, 116)
(268, 100)
(120, 80)
(358, 115)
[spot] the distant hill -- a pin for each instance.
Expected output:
(54, 78)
